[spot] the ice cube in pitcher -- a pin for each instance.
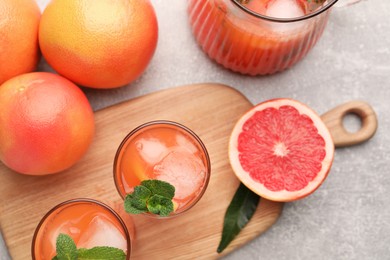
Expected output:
(285, 9)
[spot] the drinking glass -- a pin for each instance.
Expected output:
(166, 151)
(89, 222)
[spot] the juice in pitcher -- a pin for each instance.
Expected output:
(258, 37)
(165, 151)
(89, 223)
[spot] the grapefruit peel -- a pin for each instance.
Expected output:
(282, 150)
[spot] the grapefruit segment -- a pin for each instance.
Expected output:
(281, 150)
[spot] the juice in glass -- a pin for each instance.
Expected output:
(258, 37)
(165, 151)
(90, 223)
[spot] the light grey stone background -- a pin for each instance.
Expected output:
(349, 216)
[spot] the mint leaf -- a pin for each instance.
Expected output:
(101, 253)
(152, 196)
(160, 205)
(134, 205)
(140, 197)
(160, 188)
(240, 211)
(141, 192)
(66, 248)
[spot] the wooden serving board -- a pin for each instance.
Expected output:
(211, 111)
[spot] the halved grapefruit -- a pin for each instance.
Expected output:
(281, 150)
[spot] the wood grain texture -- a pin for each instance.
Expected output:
(211, 111)
(333, 119)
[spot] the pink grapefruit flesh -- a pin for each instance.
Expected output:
(281, 150)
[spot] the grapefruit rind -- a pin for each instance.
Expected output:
(47, 121)
(259, 188)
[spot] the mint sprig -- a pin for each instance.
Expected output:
(152, 196)
(101, 253)
(66, 250)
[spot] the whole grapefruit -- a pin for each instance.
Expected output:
(281, 150)
(46, 123)
(19, 50)
(99, 44)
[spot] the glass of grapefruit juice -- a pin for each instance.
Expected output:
(88, 222)
(166, 151)
(258, 37)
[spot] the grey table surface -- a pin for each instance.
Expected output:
(348, 217)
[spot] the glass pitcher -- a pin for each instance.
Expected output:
(258, 37)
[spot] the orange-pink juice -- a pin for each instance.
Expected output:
(90, 223)
(257, 37)
(165, 151)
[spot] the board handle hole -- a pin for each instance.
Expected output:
(352, 122)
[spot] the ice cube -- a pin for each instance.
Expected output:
(285, 9)
(182, 141)
(183, 170)
(102, 232)
(151, 149)
(63, 228)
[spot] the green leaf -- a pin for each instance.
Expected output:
(66, 248)
(139, 198)
(161, 188)
(134, 205)
(152, 196)
(240, 211)
(101, 253)
(158, 204)
(141, 193)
